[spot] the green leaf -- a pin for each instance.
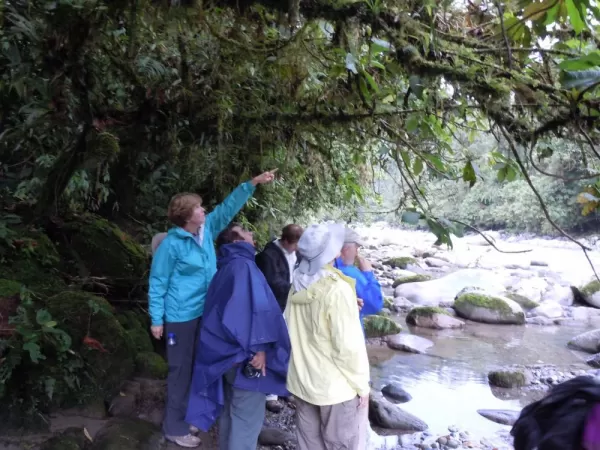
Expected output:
(370, 80)
(411, 217)
(502, 173)
(34, 352)
(42, 317)
(364, 89)
(437, 162)
(581, 80)
(469, 174)
(575, 16)
(405, 157)
(584, 62)
(418, 166)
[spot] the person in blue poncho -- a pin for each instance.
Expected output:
(368, 289)
(243, 349)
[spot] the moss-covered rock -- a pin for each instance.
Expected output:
(432, 317)
(70, 439)
(481, 307)
(379, 326)
(401, 262)
(109, 354)
(151, 365)
(128, 434)
(137, 326)
(100, 248)
(411, 279)
(589, 294)
(507, 378)
(523, 301)
(32, 261)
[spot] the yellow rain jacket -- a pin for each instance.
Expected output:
(329, 363)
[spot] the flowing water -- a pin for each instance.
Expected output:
(450, 384)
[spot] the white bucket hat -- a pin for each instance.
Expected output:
(319, 245)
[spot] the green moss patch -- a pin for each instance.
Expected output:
(483, 301)
(590, 288)
(507, 378)
(109, 357)
(401, 262)
(379, 326)
(417, 278)
(388, 303)
(151, 365)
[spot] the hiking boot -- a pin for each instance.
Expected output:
(187, 441)
(274, 406)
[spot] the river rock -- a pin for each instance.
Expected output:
(379, 326)
(587, 342)
(414, 278)
(549, 310)
(594, 361)
(501, 416)
(590, 293)
(562, 295)
(542, 321)
(432, 317)
(509, 378)
(401, 304)
(442, 291)
(409, 343)
(436, 262)
(387, 415)
(128, 434)
(395, 393)
(274, 436)
(488, 308)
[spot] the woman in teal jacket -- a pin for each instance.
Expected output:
(182, 268)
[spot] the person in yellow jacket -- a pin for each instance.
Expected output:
(329, 369)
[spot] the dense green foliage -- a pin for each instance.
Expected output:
(112, 107)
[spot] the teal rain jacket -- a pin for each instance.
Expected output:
(182, 269)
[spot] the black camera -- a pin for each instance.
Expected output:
(249, 371)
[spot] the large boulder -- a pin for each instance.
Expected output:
(587, 342)
(379, 326)
(442, 291)
(137, 326)
(70, 439)
(432, 317)
(151, 365)
(486, 308)
(97, 336)
(99, 248)
(128, 434)
(384, 414)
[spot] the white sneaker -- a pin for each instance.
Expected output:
(187, 441)
(194, 430)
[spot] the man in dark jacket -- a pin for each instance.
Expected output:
(278, 260)
(243, 350)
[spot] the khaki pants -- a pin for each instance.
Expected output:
(363, 427)
(334, 427)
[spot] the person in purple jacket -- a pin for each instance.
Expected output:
(243, 350)
(368, 289)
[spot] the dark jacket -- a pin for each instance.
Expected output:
(241, 317)
(274, 265)
(563, 420)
